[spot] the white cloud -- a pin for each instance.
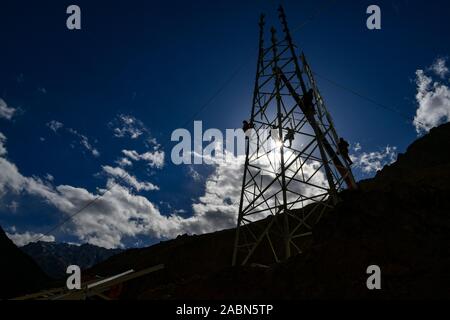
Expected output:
(194, 174)
(433, 100)
(128, 126)
(357, 147)
(10, 178)
(132, 154)
(121, 175)
(117, 214)
(154, 159)
(22, 239)
(218, 207)
(371, 162)
(152, 142)
(5, 111)
(124, 162)
(439, 67)
(55, 125)
(84, 141)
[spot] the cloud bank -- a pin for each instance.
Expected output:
(22, 239)
(371, 162)
(433, 97)
(118, 213)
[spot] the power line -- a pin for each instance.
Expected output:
(325, 6)
(121, 178)
(360, 95)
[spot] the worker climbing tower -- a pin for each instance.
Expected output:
(293, 167)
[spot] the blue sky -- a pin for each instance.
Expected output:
(153, 64)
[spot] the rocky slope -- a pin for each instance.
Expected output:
(19, 274)
(54, 258)
(399, 220)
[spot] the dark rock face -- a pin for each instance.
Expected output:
(399, 220)
(426, 162)
(54, 258)
(19, 274)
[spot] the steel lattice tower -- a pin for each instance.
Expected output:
(286, 189)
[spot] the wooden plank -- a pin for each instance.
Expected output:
(95, 284)
(125, 278)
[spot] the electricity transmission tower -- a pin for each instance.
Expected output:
(293, 169)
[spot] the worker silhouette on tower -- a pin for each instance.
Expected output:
(289, 136)
(343, 150)
(308, 103)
